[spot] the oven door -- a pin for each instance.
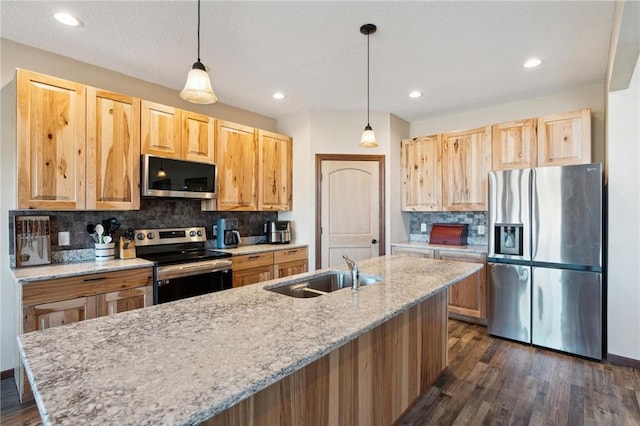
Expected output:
(175, 282)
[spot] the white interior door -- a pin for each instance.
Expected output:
(350, 211)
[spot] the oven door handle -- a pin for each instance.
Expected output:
(174, 271)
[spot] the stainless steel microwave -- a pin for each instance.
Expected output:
(167, 177)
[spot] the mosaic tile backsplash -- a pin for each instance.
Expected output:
(473, 219)
(153, 213)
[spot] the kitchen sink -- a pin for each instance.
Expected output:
(323, 284)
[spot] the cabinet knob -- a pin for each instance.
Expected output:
(374, 241)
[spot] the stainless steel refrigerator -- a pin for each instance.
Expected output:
(545, 257)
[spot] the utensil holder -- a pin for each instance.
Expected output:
(106, 251)
(127, 248)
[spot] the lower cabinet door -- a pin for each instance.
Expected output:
(47, 315)
(124, 300)
(252, 275)
(290, 268)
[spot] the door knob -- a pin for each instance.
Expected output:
(374, 241)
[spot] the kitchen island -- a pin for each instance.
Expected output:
(252, 355)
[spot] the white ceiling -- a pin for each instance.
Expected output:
(462, 55)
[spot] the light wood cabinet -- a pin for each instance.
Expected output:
(275, 171)
(56, 302)
(564, 139)
(78, 146)
(51, 149)
(160, 130)
(197, 139)
(421, 173)
(514, 145)
(252, 268)
(290, 262)
(466, 161)
(237, 155)
(113, 151)
(468, 297)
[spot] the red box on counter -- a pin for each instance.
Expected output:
(454, 234)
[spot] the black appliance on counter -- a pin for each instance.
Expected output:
(183, 266)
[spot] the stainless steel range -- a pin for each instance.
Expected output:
(184, 267)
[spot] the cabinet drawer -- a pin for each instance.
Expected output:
(84, 285)
(413, 252)
(252, 261)
(282, 256)
(461, 256)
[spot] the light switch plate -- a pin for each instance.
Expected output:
(423, 227)
(63, 238)
(481, 229)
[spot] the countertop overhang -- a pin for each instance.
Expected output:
(185, 361)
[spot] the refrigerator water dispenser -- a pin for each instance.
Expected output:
(509, 238)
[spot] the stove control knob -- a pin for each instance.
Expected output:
(199, 233)
(140, 236)
(192, 233)
(150, 235)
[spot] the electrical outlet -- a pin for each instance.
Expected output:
(481, 230)
(64, 238)
(423, 227)
(215, 231)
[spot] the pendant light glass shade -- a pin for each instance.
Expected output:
(198, 89)
(368, 139)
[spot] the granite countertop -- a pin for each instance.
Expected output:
(185, 361)
(62, 270)
(261, 248)
(479, 249)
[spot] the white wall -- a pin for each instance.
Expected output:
(585, 97)
(338, 132)
(15, 55)
(623, 140)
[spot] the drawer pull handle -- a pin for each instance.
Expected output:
(86, 280)
(254, 257)
(292, 251)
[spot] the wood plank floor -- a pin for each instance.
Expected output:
(490, 382)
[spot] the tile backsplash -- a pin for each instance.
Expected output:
(153, 213)
(473, 219)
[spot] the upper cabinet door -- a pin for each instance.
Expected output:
(275, 169)
(160, 130)
(237, 166)
(514, 145)
(564, 139)
(421, 174)
(197, 137)
(113, 151)
(466, 161)
(51, 142)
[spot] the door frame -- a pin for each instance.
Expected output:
(380, 159)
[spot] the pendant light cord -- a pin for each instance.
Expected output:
(199, 31)
(367, 79)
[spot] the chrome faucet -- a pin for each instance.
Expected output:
(355, 273)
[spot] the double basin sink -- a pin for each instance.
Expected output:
(318, 285)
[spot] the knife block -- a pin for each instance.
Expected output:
(32, 240)
(126, 249)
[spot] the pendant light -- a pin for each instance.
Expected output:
(368, 139)
(198, 87)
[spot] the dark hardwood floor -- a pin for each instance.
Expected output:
(490, 381)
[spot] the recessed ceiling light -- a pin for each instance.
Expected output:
(415, 94)
(67, 19)
(532, 63)
(279, 96)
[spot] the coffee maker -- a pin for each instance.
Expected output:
(227, 233)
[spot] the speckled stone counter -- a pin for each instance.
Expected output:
(422, 245)
(185, 361)
(260, 248)
(38, 273)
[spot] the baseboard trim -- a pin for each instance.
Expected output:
(6, 374)
(624, 361)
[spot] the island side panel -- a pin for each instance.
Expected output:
(373, 379)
